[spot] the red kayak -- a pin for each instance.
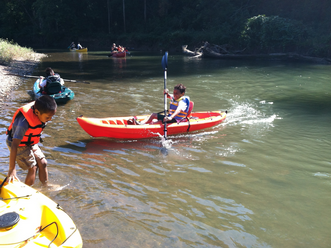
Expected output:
(123, 128)
(119, 54)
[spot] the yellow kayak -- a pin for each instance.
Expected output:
(79, 50)
(28, 218)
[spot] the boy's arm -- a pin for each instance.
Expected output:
(12, 158)
(169, 118)
(40, 81)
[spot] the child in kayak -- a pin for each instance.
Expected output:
(179, 106)
(52, 83)
(23, 137)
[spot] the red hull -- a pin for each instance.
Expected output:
(118, 128)
(119, 55)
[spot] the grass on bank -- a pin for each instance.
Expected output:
(10, 51)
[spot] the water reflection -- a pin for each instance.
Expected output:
(154, 195)
(119, 63)
(81, 58)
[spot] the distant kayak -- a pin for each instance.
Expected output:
(118, 54)
(123, 128)
(28, 218)
(78, 50)
(64, 96)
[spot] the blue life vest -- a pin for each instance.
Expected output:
(174, 105)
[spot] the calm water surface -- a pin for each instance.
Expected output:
(260, 179)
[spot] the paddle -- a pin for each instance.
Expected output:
(165, 66)
(66, 80)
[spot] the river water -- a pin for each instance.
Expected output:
(262, 178)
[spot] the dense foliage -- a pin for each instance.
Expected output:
(258, 25)
(272, 34)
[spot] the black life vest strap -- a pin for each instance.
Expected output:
(42, 125)
(9, 132)
(29, 142)
(189, 124)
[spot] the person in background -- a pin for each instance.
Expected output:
(52, 83)
(114, 48)
(23, 136)
(120, 49)
(178, 109)
(72, 45)
(79, 46)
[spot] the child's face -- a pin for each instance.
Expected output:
(45, 117)
(177, 94)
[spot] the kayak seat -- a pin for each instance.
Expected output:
(111, 122)
(190, 109)
(119, 122)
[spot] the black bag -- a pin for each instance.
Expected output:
(53, 85)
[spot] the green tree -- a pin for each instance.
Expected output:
(272, 34)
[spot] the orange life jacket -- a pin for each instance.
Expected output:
(32, 135)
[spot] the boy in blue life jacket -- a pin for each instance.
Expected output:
(23, 137)
(178, 109)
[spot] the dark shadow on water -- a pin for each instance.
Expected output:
(99, 146)
(312, 105)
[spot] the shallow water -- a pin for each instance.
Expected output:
(260, 179)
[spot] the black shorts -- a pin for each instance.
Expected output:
(160, 117)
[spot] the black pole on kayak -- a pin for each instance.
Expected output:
(3, 182)
(165, 67)
(66, 80)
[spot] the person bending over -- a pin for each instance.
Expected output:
(23, 136)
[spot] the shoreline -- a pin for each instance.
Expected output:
(19, 67)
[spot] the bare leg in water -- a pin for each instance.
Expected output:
(43, 173)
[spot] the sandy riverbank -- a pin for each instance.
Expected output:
(20, 67)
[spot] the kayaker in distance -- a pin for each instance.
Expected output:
(79, 46)
(178, 109)
(120, 49)
(72, 45)
(23, 137)
(114, 48)
(52, 83)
